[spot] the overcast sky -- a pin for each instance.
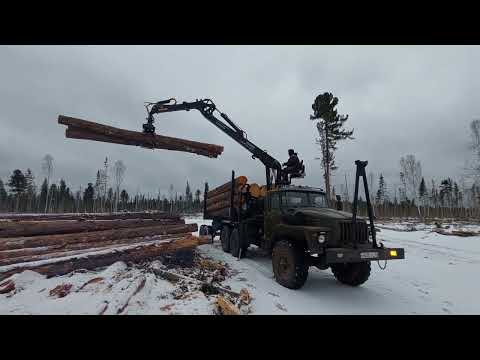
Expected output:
(401, 100)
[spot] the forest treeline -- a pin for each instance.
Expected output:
(21, 194)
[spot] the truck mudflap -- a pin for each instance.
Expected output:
(342, 255)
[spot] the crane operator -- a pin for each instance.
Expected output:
(292, 166)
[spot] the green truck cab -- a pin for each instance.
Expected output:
(298, 228)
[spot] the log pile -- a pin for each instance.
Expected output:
(218, 199)
(88, 130)
(461, 233)
(59, 244)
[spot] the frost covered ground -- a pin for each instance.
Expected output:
(438, 276)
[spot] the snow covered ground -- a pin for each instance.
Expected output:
(438, 276)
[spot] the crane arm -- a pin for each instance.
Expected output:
(207, 108)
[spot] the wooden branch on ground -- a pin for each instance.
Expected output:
(36, 228)
(88, 130)
(226, 307)
(168, 275)
(91, 237)
(142, 252)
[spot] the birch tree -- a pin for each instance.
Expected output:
(119, 169)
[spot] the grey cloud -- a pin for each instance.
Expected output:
(401, 99)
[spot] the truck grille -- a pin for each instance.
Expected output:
(347, 231)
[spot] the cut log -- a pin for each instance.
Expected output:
(91, 237)
(56, 251)
(78, 134)
(239, 182)
(88, 130)
(7, 287)
(138, 285)
(142, 252)
(221, 205)
(35, 228)
(101, 216)
(462, 233)
(222, 213)
(225, 196)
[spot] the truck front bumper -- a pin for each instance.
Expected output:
(343, 255)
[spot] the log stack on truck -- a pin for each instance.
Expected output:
(218, 200)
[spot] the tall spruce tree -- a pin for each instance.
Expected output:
(17, 185)
(197, 199)
(124, 198)
(188, 197)
(380, 197)
(3, 196)
(330, 127)
(62, 195)
(423, 192)
(456, 194)
(43, 195)
(446, 192)
(88, 197)
(53, 207)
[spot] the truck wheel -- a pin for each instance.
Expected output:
(289, 264)
(225, 238)
(203, 230)
(235, 243)
(353, 274)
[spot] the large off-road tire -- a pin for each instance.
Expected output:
(353, 274)
(236, 243)
(203, 231)
(289, 264)
(225, 238)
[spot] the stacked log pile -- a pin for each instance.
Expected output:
(218, 199)
(88, 130)
(58, 244)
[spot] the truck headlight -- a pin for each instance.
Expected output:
(321, 238)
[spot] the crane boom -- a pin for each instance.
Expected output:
(207, 108)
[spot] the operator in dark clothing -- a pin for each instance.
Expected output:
(293, 163)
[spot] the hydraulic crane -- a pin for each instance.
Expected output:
(207, 108)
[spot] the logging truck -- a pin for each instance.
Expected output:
(293, 223)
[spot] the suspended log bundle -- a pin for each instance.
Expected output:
(56, 247)
(88, 130)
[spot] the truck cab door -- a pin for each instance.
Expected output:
(272, 217)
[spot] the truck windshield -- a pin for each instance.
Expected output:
(295, 199)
